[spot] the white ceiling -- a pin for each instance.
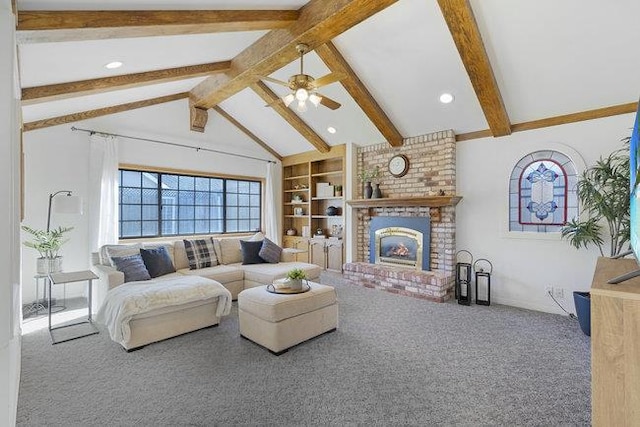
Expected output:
(549, 58)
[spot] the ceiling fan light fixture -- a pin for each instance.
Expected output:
(302, 106)
(288, 99)
(302, 94)
(315, 99)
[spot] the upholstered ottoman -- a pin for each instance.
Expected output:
(278, 321)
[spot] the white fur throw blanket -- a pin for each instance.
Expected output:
(127, 300)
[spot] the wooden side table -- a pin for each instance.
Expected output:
(71, 277)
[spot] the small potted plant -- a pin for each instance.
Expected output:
(338, 189)
(295, 278)
(48, 244)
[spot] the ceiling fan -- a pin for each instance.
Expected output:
(303, 86)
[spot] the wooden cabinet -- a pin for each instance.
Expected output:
(313, 203)
(326, 253)
(615, 345)
(300, 244)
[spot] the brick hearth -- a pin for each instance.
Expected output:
(430, 285)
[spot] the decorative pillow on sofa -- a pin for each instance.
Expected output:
(157, 261)
(270, 252)
(201, 253)
(132, 266)
(107, 252)
(251, 252)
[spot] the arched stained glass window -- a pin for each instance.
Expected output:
(542, 192)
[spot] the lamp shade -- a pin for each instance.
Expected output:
(67, 205)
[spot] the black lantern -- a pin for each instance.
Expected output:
(483, 269)
(463, 277)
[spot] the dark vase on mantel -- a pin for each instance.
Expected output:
(368, 190)
(376, 192)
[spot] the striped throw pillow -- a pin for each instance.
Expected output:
(201, 253)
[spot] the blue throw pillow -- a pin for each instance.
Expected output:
(270, 252)
(157, 261)
(250, 252)
(132, 266)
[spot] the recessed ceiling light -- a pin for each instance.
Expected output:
(331, 129)
(113, 65)
(446, 98)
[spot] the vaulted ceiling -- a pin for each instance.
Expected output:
(510, 65)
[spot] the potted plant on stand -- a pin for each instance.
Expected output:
(603, 191)
(48, 244)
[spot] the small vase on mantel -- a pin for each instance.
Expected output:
(377, 194)
(368, 190)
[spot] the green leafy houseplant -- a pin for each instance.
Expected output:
(603, 191)
(295, 278)
(296, 274)
(47, 243)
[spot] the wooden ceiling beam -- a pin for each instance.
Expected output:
(247, 132)
(34, 95)
(85, 115)
(466, 35)
(581, 116)
(74, 25)
(319, 21)
(296, 122)
(333, 59)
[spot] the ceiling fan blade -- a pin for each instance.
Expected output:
(274, 102)
(276, 81)
(329, 103)
(328, 79)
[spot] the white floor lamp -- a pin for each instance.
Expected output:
(69, 205)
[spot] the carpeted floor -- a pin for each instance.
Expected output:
(393, 360)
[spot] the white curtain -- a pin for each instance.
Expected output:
(271, 229)
(103, 191)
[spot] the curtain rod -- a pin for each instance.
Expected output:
(174, 144)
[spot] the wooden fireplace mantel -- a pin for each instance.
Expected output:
(385, 202)
(433, 202)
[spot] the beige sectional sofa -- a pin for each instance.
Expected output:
(231, 273)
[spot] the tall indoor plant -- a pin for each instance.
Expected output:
(48, 244)
(603, 191)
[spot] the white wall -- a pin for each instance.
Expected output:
(524, 263)
(57, 158)
(9, 221)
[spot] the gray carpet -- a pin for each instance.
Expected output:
(393, 360)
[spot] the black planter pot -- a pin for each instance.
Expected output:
(582, 300)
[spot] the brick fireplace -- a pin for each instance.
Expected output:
(418, 194)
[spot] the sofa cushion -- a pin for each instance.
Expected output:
(109, 251)
(157, 261)
(230, 251)
(180, 259)
(201, 253)
(250, 252)
(133, 267)
(270, 252)
(221, 273)
(267, 273)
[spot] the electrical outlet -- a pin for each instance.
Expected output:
(548, 290)
(558, 293)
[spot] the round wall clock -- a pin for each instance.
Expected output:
(399, 165)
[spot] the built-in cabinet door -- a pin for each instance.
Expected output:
(317, 254)
(302, 245)
(334, 256)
